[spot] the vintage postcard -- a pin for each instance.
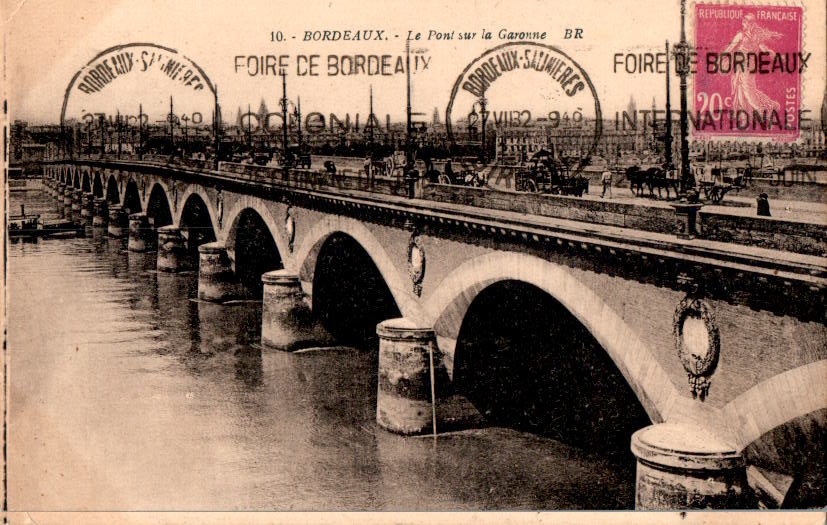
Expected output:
(421, 261)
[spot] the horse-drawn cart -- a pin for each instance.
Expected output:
(467, 175)
(715, 183)
(546, 175)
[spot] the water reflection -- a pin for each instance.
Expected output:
(128, 393)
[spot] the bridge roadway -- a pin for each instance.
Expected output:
(718, 329)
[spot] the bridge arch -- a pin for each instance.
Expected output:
(790, 407)
(307, 254)
(350, 296)
(196, 222)
(86, 181)
(236, 208)
(158, 206)
(202, 194)
(253, 248)
(97, 184)
(131, 197)
(447, 307)
(113, 193)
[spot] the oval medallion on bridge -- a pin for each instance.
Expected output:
(416, 262)
(138, 82)
(527, 96)
(698, 342)
(289, 227)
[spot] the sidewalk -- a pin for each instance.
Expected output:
(732, 204)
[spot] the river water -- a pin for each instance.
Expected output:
(128, 394)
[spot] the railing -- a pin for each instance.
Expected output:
(298, 178)
(638, 216)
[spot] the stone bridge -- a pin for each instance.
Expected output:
(714, 325)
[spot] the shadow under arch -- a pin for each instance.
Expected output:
(86, 182)
(196, 223)
(524, 361)
(131, 198)
(113, 195)
(306, 256)
(233, 212)
(350, 296)
(157, 207)
(252, 246)
(97, 185)
(209, 205)
(448, 305)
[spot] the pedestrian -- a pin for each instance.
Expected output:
(449, 171)
(763, 205)
(367, 165)
(606, 179)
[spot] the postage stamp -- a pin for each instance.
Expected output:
(748, 80)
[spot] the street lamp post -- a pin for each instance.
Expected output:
(171, 129)
(682, 67)
(667, 139)
(118, 130)
(140, 131)
(284, 113)
(249, 127)
(370, 119)
(216, 128)
(284, 103)
(103, 130)
(483, 118)
(408, 106)
(298, 115)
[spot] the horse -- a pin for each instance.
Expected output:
(656, 178)
(636, 178)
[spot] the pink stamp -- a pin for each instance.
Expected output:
(748, 78)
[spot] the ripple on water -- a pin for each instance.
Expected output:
(126, 394)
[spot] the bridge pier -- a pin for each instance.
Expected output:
(684, 467)
(59, 193)
(403, 401)
(87, 205)
(67, 202)
(217, 282)
(287, 322)
(141, 233)
(100, 212)
(118, 222)
(172, 250)
(77, 194)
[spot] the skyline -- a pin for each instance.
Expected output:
(39, 76)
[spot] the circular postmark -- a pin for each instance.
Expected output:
(528, 96)
(136, 84)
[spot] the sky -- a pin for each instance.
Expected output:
(47, 42)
